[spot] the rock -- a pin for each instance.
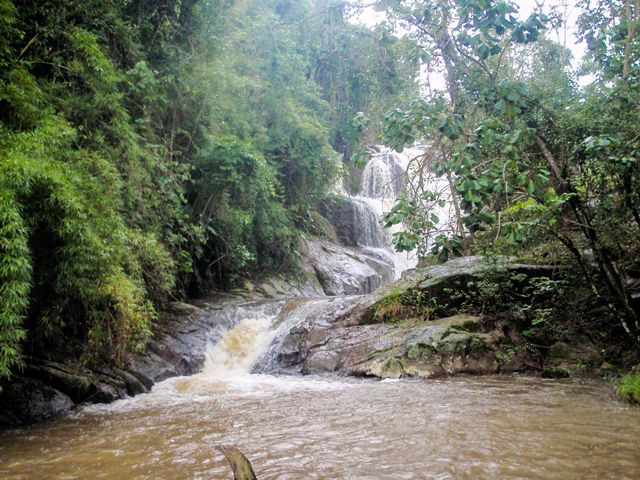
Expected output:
(579, 356)
(134, 386)
(181, 309)
(76, 385)
(105, 393)
(278, 287)
(345, 349)
(358, 341)
(357, 223)
(178, 349)
(143, 379)
(28, 400)
(344, 271)
(555, 372)
(152, 366)
(419, 349)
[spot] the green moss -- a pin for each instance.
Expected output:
(452, 342)
(390, 308)
(418, 350)
(504, 357)
(401, 303)
(629, 388)
(377, 353)
(394, 367)
(477, 343)
(469, 326)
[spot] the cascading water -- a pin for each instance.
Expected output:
(383, 176)
(239, 348)
(257, 342)
(359, 222)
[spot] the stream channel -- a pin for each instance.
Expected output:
(329, 427)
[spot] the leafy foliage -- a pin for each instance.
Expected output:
(150, 150)
(531, 156)
(629, 388)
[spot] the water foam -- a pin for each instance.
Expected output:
(240, 348)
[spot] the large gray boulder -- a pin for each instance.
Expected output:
(28, 400)
(364, 339)
(345, 271)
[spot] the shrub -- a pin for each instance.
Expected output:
(629, 388)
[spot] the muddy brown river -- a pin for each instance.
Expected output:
(294, 427)
(332, 428)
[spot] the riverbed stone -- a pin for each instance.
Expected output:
(75, 384)
(360, 342)
(413, 348)
(28, 400)
(105, 393)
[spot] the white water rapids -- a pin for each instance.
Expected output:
(240, 348)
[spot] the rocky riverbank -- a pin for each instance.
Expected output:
(46, 387)
(419, 326)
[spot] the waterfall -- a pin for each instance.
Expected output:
(239, 348)
(358, 220)
(258, 337)
(377, 180)
(383, 179)
(383, 176)
(260, 341)
(358, 224)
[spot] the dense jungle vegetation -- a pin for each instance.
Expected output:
(152, 149)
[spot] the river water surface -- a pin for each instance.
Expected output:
(294, 427)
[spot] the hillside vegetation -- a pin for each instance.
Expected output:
(153, 149)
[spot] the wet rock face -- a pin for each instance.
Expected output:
(356, 223)
(345, 271)
(27, 400)
(46, 388)
(353, 344)
(179, 348)
(415, 349)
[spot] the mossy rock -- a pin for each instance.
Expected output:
(454, 341)
(393, 368)
(419, 350)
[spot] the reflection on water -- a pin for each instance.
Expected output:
(312, 428)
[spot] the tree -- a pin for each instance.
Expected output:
(528, 157)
